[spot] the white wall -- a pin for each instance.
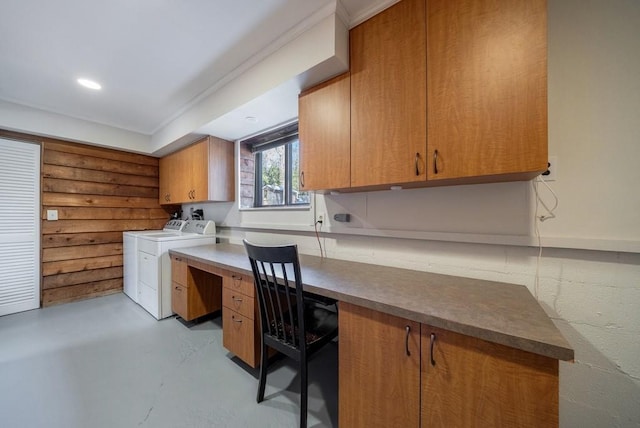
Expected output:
(16, 117)
(591, 286)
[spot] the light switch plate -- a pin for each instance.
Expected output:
(52, 215)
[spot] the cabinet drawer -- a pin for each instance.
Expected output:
(239, 282)
(239, 336)
(179, 271)
(179, 300)
(238, 302)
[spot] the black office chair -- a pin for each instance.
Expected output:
(293, 322)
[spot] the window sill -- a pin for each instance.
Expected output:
(279, 208)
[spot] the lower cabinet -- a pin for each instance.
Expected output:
(194, 293)
(471, 382)
(240, 323)
(396, 372)
(379, 369)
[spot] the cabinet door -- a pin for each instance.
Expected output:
(486, 88)
(197, 165)
(483, 384)
(325, 135)
(221, 170)
(379, 381)
(170, 168)
(388, 96)
(164, 194)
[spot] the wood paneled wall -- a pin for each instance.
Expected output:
(98, 193)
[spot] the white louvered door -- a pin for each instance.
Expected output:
(19, 226)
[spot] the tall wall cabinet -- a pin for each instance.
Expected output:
(441, 92)
(204, 171)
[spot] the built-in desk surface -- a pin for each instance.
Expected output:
(497, 312)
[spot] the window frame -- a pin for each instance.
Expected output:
(288, 195)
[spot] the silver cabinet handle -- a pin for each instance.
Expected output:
(236, 299)
(417, 164)
(237, 281)
(301, 178)
(235, 320)
(406, 341)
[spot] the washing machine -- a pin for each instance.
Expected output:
(130, 254)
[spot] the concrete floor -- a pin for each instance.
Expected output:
(106, 362)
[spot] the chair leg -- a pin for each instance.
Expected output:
(304, 386)
(262, 383)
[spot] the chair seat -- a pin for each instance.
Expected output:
(321, 324)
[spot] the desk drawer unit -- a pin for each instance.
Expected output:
(240, 323)
(194, 293)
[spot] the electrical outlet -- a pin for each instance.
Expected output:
(320, 218)
(52, 215)
(552, 170)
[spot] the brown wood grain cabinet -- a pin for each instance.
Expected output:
(442, 92)
(388, 96)
(194, 293)
(240, 323)
(204, 171)
(391, 375)
(325, 135)
(471, 382)
(486, 88)
(379, 369)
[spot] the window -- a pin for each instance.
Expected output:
(276, 169)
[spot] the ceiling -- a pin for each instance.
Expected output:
(154, 58)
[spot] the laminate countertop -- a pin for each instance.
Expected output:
(503, 313)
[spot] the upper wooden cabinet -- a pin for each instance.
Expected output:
(486, 88)
(388, 104)
(443, 92)
(201, 172)
(324, 131)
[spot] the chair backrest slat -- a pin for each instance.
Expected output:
(281, 306)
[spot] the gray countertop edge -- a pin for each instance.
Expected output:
(559, 350)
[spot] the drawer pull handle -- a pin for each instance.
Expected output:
(235, 320)
(417, 164)
(433, 340)
(406, 341)
(236, 299)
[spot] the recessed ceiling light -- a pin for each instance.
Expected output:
(87, 83)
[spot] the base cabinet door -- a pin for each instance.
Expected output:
(468, 382)
(379, 366)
